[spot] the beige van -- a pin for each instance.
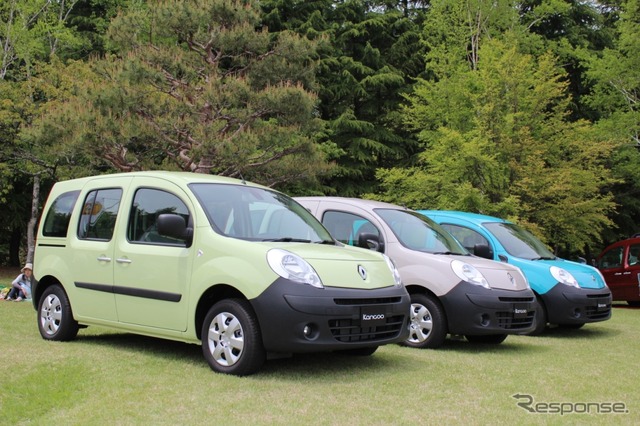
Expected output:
(452, 292)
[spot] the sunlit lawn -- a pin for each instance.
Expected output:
(107, 377)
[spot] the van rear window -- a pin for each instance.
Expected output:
(56, 223)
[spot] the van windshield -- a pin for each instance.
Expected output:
(519, 242)
(258, 214)
(420, 233)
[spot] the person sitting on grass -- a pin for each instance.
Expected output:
(21, 286)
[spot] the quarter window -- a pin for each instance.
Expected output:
(148, 204)
(99, 214)
(56, 223)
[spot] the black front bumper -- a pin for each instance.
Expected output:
(571, 305)
(333, 318)
(475, 310)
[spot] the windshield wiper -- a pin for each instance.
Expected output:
(328, 242)
(446, 252)
(288, 240)
(544, 258)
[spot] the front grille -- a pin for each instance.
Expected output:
(368, 301)
(593, 313)
(348, 330)
(507, 321)
(516, 299)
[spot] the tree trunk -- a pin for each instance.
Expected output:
(35, 204)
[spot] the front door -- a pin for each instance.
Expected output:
(152, 271)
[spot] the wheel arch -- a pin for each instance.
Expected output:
(209, 298)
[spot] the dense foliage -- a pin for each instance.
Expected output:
(522, 109)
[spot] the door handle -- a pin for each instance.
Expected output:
(104, 259)
(123, 260)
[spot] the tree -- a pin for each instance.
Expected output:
(615, 76)
(497, 135)
(369, 53)
(199, 86)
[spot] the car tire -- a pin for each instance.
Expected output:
(486, 339)
(55, 318)
(231, 338)
(634, 303)
(540, 319)
(428, 324)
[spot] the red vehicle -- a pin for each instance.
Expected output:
(620, 265)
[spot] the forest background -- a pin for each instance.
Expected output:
(527, 110)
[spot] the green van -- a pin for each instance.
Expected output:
(239, 268)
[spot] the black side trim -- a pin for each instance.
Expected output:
(52, 245)
(135, 292)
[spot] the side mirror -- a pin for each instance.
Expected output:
(371, 242)
(483, 250)
(174, 226)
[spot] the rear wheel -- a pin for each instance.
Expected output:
(55, 318)
(488, 339)
(231, 340)
(428, 326)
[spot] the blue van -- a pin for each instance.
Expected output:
(569, 294)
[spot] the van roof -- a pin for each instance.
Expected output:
(470, 217)
(173, 176)
(355, 202)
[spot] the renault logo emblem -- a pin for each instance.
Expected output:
(362, 272)
(513, 280)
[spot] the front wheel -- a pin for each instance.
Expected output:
(487, 339)
(231, 339)
(55, 319)
(540, 318)
(428, 325)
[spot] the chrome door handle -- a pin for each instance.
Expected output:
(104, 259)
(122, 260)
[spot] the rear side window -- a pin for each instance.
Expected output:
(56, 223)
(148, 204)
(99, 214)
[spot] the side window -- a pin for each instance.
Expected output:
(99, 214)
(634, 255)
(148, 204)
(347, 227)
(465, 236)
(611, 259)
(56, 223)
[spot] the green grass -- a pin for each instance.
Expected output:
(107, 377)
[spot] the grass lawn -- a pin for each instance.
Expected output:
(107, 377)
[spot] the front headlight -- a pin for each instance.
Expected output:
(563, 276)
(293, 267)
(469, 273)
(394, 271)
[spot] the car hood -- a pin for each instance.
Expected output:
(342, 266)
(499, 275)
(537, 272)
